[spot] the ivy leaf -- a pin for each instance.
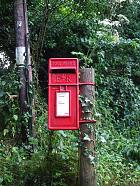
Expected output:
(138, 168)
(5, 132)
(1, 93)
(15, 117)
(84, 105)
(3, 83)
(1, 180)
(92, 159)
(103, 140)
(87, 100)
(86, 138)
(62, 133)
(15, 150)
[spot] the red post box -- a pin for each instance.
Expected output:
(63, 94)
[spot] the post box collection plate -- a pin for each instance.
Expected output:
(63, 94)
(62, 104)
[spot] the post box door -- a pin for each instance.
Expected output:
(63, 103)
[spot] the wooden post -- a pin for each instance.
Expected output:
(23, 62)
(20, 61)
(87, 147)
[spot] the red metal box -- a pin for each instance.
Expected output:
(63, 94)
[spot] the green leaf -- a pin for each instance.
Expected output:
(1, 93)
(1, 179)
(5, 132)
(86, 138)
(62, 133)
(103, 140)
(15, 117)
(3, 83)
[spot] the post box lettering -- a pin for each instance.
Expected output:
(64, 78)
(63, 63)
(63, 93)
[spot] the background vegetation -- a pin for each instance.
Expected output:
(104, 35)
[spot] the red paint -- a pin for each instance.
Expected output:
(88, 83)
(63, 94)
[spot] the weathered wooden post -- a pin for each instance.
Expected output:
(20, 61)
(23, 62)
(87, 129)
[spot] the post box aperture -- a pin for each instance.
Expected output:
(63, 93)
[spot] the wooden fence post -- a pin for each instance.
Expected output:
(87, 130)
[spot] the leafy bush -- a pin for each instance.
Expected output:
(105, 36)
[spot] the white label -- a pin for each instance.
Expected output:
(20, 55)
(62, 105)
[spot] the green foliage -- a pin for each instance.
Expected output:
(115, 166)
(7, 39)
(45, 158)
(103, 35)
(9, 110)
